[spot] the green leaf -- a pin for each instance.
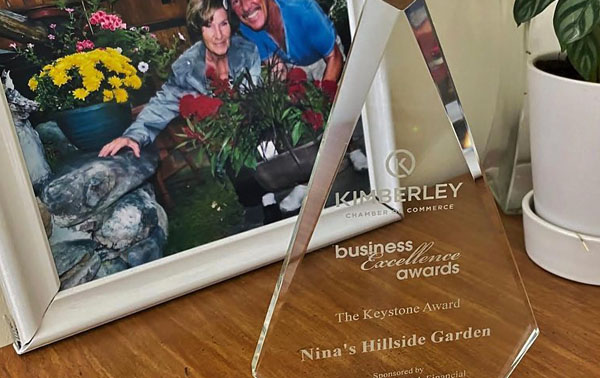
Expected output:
(525, 10)
(574, 19)
(584, 55)
(297, 132)
(251, 162)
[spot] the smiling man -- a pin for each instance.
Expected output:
(297, 32)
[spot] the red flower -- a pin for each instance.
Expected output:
(330, 88)
(222, 87)
(296, 92)
(200, 107)
(211, 74)
(315, 119)
(297, 75)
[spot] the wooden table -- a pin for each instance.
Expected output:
(212, 333)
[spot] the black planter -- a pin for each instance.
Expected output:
(287, 169)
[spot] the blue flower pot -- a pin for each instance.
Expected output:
(90, 128)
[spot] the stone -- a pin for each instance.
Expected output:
(70, 253)
(31, 145)
(34, 155)
(54, 141)
(85, 271)
(147, 250)
(46, 217)
(64, 234)
(109, 267)
(131, 220)
(89, 184)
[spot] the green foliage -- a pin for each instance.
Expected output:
(577, 27)
(202, 214)
(58, 100)
(138, 44)
(583, 54)
(526, 10)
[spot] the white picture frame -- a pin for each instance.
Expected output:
(40, 314)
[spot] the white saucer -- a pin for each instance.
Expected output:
(559, 251)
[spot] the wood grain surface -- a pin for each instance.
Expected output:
(212, 333)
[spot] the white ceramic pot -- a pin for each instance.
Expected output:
(565, 149)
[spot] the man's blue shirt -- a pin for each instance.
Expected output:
(309, 34)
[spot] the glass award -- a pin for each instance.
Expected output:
(435, 294)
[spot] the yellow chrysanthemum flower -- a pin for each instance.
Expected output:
(80, 94)
(115, 82)
(33, 84)
(121, 95)
(59, 78)
(108, 95)
(133, 82)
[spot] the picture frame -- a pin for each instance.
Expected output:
(40, 314)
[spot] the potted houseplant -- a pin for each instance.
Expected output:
(87, 94)
(564, 96)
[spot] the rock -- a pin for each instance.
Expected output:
(147, 250)
(110, 267)
(20, 106)
(64, 234)
(91, 184)
(46, 217)
(55, 142)
(33, 152)
(131, 220)
(31, 145)
(85, 271)
(70, 253)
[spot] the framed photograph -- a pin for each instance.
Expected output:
(148, 154)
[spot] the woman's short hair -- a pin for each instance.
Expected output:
(200, 13)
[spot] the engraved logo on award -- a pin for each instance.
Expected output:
(401, 163)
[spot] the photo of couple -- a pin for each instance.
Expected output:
(145, 140)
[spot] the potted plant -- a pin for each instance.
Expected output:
(235, 122)
(564, 96)
(87, 94)
(292, 113)
(88, 26)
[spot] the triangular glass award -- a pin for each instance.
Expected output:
(436, 294)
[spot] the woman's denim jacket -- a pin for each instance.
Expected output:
(188, 77)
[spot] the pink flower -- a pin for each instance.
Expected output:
(146, 28)
(153, 36)
(69, 10)
(107, 21)
(51, 37)
(85, 45)
(52, 26)
(13, 46)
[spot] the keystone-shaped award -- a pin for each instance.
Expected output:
(434, 293)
